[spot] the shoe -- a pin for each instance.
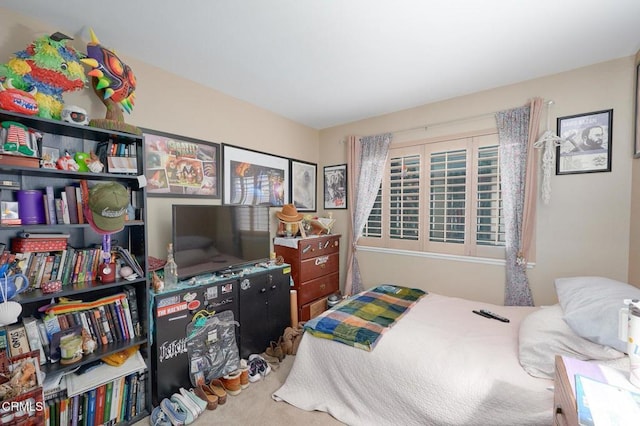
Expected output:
(217, 388)
(187, 406)
(200, 403)
(244, 374)
(258, 368)
(203, 393)
(231, 383)
(287, 340)
(173, 413)
(275, 350)
(158, 418)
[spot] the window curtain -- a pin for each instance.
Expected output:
(517, 133)
(366, 158)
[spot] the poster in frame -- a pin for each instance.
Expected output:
(636, 151)
(178, 166)
(335, 187)
(586, 143)
(303, 185)
(253, 177)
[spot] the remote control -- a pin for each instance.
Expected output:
(494, 316)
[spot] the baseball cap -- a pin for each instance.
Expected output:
(108, 204)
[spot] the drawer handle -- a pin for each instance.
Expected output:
(273, 287)
(322, 286)
(323, 266)
(262, 290)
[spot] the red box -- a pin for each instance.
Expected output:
(19, 160)
(22, 245)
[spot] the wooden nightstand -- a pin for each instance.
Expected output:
(565, 411)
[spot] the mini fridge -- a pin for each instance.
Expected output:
(172, 312)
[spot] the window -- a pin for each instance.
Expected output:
(442, 197)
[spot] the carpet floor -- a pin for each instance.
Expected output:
(254, 406)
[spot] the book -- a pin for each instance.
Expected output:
(33, 334)
(17, 339)
(100, 326)
(600, 403)
(108, 394)
(116, 400)
(79, 205)
(4, 343)
(130, 305)
(114, 322)
(105, 324)
(66, 219)
(91, 407)
(100, 401)
(122, 320)
(72, 203)
(51, 205)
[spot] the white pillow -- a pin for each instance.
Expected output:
(591, 307)
(544, 334)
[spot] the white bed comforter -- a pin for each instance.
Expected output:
(440, 364)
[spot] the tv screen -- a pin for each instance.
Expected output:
(213, 238)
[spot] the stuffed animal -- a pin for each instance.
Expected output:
(50, 65)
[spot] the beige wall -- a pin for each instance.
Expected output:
(634, 245)
(584, 231)
(585, 228)
(169, 103)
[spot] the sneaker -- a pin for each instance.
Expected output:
(244, 374)
(173, 412)
(158, 418)
(258, 368)
(198, 402)
(231, 383)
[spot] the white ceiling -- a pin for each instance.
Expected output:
(328, 62)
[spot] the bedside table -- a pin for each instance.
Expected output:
(614, 396)
(565, 411)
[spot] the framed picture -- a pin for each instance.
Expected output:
(177, 166)
(335, 187)
(586, 143)
(303, 185)
(252, 177)
(636, 153)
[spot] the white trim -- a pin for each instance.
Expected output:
(431, 255)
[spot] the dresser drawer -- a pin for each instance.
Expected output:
(313, 309)
(319, 266)
(312, 247)
(320, 287)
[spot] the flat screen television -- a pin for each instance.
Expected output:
(210, 238)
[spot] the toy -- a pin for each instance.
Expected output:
(67, 163)
(93, 163)
(50, 65)
(115, 84)
(19, 138)
(81, 160)
(13, 99)
(75, 114)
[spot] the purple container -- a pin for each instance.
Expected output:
(31, 207)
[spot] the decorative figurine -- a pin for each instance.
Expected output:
(75, 114)
(114, 83)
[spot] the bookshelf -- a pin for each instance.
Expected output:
(130, 389)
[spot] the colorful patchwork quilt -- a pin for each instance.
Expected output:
(360, 320)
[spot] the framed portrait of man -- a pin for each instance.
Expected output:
(586, 143)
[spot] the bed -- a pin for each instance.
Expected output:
(441, 364)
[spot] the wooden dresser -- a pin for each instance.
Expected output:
(315, 269)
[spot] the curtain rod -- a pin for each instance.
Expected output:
(455, 120)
